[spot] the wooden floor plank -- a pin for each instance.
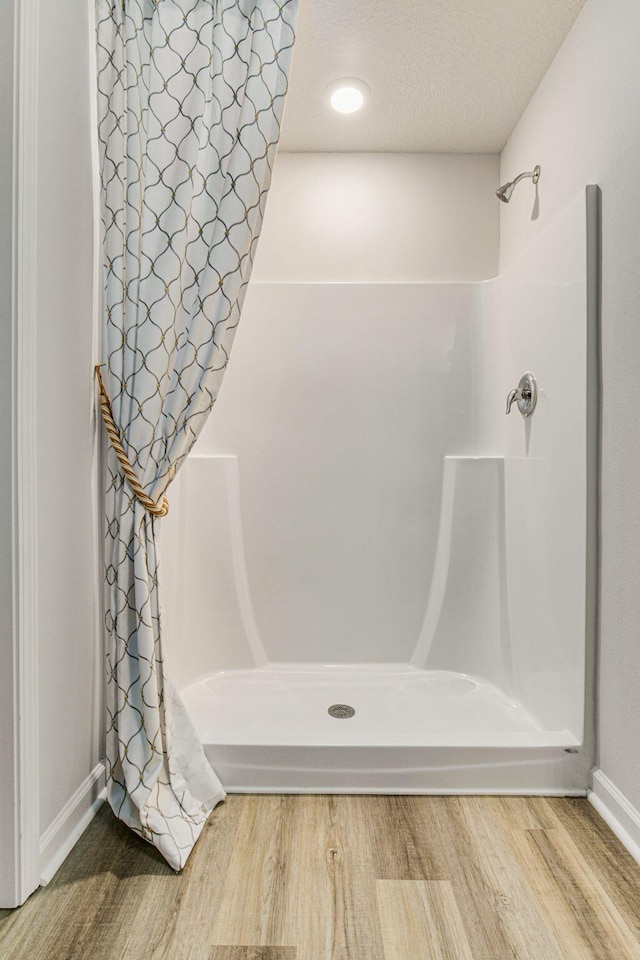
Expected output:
(313, 908)
(405, 838)
(521, 813)
(504, 877)
(333, 900)
(363, 936)
(420, 918)
(255, 895)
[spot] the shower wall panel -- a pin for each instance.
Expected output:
(340, 403)
(541, 315)
(208, 615)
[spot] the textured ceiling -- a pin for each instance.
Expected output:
(445, 75)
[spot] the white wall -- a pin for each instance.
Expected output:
(70, 661)
(371, 217)
(7, 807)
(582, 126)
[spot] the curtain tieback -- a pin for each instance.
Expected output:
(160, 509)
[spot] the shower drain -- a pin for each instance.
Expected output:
(341, 711)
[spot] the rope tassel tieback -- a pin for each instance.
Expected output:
(155, 509)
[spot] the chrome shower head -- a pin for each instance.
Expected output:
(504, 192)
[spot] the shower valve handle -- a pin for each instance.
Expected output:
(525, 395)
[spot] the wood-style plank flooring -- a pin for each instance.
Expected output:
(346, 878)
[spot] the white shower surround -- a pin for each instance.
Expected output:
(379, 533)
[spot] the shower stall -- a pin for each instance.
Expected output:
(375, 580)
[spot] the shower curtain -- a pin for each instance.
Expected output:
(191, 94)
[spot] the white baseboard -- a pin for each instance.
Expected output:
(61, 836)
(617, 812)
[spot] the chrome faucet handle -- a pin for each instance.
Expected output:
(513, 395)
(525, 395)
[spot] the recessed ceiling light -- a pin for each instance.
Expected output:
(347, 99)
(347, 95)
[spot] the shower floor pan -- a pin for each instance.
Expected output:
(413, 731)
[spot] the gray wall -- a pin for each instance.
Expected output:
(7, 838)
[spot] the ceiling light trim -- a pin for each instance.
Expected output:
(348, 95)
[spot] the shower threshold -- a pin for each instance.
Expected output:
(376, 728)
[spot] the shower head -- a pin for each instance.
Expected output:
(504, 192)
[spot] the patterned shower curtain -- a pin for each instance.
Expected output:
(191, 94)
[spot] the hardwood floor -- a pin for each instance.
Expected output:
(346, 878)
